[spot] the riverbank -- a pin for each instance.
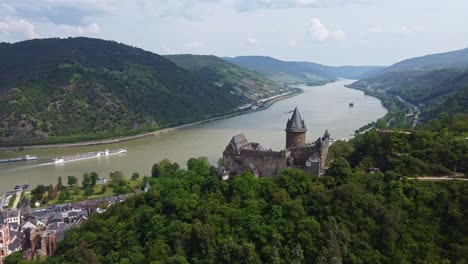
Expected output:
(265, 106)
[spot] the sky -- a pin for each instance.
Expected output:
(331, 32)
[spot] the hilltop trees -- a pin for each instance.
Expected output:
(348, 216)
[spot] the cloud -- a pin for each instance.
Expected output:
(71, 30)
(395, 31)
(249, 5)
(167, 50)
(321, 33)
(194, 45)
(18, 26)
(252, 41)
(292, 43)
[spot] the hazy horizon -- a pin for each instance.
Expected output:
(329, 32)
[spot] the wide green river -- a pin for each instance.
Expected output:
(322, 107)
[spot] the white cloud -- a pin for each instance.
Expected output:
(248, 5)
(167, 50)
(252, 41)
(70, 30)
(194, 45)
(396, 31)
(321, 33)
(292, 43)
(18, 26)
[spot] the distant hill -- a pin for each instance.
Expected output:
(54, 90)
(227, 75)
(452, 59)
(296, 71)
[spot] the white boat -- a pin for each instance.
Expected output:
(25, 158)
(89, 155)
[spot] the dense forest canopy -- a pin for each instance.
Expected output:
(440, 94)
(348, 216)
(244, 82)
(81, 88)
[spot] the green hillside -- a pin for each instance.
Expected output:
(452, 59)
(295, 71)
(441, 95)
(227, 75)
(347, 216)
(55, 90)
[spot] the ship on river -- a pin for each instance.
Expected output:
(25, 158)
(89, 155)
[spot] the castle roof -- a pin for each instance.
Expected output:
(327, 134)
(239, 142)
(296, 123)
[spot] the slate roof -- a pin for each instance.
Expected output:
(296, 123)
(240, 142)
(2, 219)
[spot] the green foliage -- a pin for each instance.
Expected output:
(72, 180)
(246, 83)
(340, 170)
(419, 153)
(135, 176)
(38, 193)
(59, 185)
(87, 182)
(441, 94)
(15, 258)
(295, 218)
(94, 178)
(62, 90)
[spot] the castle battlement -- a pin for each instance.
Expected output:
(242, 156)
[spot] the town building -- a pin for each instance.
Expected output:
(4, 237)
(242, 156)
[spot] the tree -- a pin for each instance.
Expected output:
(94, 178)
(52, 194)
(15, 258)
(155, 171)
(103, 188)
(200, 166)
(64, 195)
(297, 255)
(72, 180)
(59, 185)
(88, 190)
(117, 178)
(340, 170)
(135, 176)
(86, 181)
(38, 192)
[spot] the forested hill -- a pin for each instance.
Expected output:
(54, 90)
(452, 59)
(227, 75)
(296, 71)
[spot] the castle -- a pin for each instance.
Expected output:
(242, 156)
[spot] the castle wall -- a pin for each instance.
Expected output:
(268, 163)
(324, 152)
(301, 155)
(295, 139)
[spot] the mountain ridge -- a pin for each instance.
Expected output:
(298, 71)
(74, 89)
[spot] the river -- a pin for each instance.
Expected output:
(322, 107)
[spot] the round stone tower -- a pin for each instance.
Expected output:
(295, 131)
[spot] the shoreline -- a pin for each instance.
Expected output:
(147, 134)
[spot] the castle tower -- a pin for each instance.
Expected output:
(295, 131)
